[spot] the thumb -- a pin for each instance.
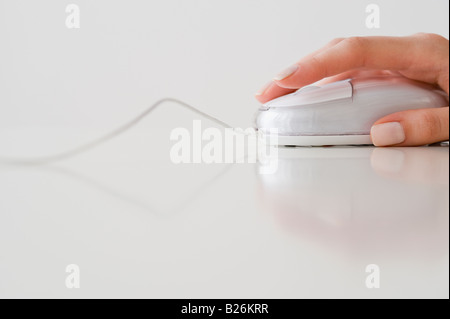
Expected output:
(412, 128)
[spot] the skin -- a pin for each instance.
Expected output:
(422, 57)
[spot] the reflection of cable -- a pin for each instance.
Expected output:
(87, 147)
(121, 195)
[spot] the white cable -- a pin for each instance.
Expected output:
(95, 143)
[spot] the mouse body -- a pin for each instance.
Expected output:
(342, 113)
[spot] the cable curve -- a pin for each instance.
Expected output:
(106, 138)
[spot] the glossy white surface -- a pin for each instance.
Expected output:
(139, 226)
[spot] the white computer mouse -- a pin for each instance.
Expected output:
(342, 113)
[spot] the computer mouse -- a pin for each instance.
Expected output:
(342, 113)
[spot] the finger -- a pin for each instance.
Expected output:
(379, 53)
(327, 46)
(271, 90)
(412, 128)
(354, 74)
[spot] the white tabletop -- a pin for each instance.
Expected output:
(138, 225)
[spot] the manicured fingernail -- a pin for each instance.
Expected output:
(387, 134)
(264, 88)
(286, 73)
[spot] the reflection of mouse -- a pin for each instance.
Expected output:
(342, 113)
(316, 193)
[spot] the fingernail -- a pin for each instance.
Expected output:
(286, 73)
(387, 134)
(264, 88)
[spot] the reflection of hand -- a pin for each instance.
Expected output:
(424, 165)
(423, 57)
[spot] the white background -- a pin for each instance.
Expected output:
(212, 54)
(308, 231)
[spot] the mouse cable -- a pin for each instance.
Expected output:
(119, 131)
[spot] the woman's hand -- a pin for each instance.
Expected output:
(422, 57)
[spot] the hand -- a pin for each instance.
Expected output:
(422, 57)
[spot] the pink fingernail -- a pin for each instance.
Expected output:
(286, 73)
(387, 134)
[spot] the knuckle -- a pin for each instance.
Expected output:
(436, 46)
(420, 35)
(431, 37)
(319, 65)
(431, 124)
(335, 41)
(356, 48)
(356, 43)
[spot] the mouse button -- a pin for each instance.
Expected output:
(319, 94)
(308, 88)
(283, 101)
(329, 92)
(338, 90)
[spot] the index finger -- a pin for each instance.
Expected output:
(378, 53)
